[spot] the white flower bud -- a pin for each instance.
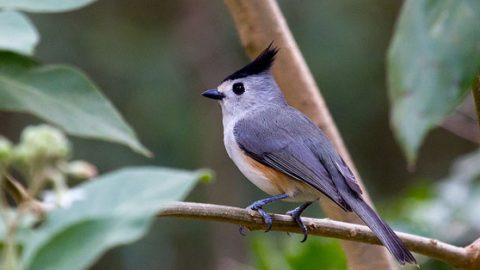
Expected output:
(42, 142)
(81, 169)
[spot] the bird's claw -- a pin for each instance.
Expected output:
(257, 207)
(295, 214)
(266, 217)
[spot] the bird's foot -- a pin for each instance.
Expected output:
(257, 207)
(296, 215)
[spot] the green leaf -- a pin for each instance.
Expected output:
(17, 33)
(432, 61)
(114, 209)
(63, 96)
(288, 253)
(44, 5)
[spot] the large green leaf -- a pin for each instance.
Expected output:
(44, 5)
(17, 33)
(63, 96)
(433, 59)
(114, 209)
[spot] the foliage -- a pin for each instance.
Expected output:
(113, 209)
(290, 254)
(82, 222)
(17, 33)
(64, 96)
(432, 62)
(61, 95)
(71, 227)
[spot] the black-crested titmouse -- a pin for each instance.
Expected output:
(285, 154)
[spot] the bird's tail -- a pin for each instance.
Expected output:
(386, 235)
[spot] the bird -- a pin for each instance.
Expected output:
(282, 152)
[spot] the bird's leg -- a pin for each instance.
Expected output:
(258, 207)
(295, 214)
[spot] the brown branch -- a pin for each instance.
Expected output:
(473, 252)
(260, 22)
(463, 258)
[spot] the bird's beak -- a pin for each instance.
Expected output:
(213, 94)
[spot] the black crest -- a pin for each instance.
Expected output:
(262, 63)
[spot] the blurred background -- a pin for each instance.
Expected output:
(154, 58)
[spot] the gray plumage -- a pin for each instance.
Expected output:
(285, 139)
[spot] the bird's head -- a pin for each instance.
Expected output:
(250, 87)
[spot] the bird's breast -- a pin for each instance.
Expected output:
(244, 163)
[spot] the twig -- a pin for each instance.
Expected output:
(260, 22)
(21, 197)
(476, 96)
(464, 258)
(16, 190)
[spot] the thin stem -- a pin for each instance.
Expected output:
(3, 201)
(476, 96)
(16, 190)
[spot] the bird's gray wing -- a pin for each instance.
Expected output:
(288, 141)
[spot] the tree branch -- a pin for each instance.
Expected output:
(456, 256)
(260, 22)
(473, 252)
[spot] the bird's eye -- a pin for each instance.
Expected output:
(238, 88)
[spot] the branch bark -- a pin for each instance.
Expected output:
(473, 252)
(461, 258)
(260, 22)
